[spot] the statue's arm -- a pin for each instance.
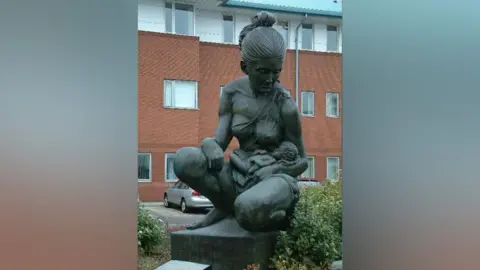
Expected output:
(223, 133)
(293, 134)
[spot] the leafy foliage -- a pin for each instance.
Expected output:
(314, 239)
(150, 232)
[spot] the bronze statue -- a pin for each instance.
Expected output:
(258, 186)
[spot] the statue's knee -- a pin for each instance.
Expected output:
(245, 218)
(250, 214)
(190, 162)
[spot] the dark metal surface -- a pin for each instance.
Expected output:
(224, 245)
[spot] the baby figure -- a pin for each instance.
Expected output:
(286, 154)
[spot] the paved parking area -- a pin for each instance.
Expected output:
(173, 217)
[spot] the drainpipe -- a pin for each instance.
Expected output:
(296, 59)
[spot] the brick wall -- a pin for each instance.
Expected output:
(160, 130)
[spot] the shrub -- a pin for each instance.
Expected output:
(314, 239)
(150, 232)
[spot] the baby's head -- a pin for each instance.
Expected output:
(286, 151)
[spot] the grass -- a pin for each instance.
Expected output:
(149, 262)
(153, 260)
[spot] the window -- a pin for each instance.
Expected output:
(169, 173)
(333, 167)
(180, 185)
(221, 90)
(228, 29)
(180, 94)
(144, 166)
(332, 38)
(332, 105)
(282, 28)
(307, 36)
(179, 19)
(308, 103)
(310, 172)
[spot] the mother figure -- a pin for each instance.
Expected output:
(255, 186)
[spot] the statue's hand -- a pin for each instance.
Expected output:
(253, 168)
(264, 172)
(214, 154)
(261, 160)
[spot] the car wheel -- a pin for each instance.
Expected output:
(165, 201)
(183, 206)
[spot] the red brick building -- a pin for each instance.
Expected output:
(162, 129)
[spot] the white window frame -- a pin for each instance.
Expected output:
(172, 96)
(221, 90)
(338, 38)
(327, 167)
(234, 28)
(173, 17)
(149, 180)
(313, 101)
(288, 31)
(312, 158)
(313, 36)
(327, 114)
(167, 155)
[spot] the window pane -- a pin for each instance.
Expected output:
(169, 172)
(310, 172)
(307, 36)
(332, 38)
(310, 103)
(332, 167)
(332, 104)
(304, 103)
(143, 167)
(167, 94)
(184, 95)
(168, 17)
(307, 103)
(335, 105)
(183, 19)
(228, 29)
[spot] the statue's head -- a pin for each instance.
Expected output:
(263, 50)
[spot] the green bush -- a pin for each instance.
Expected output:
(150, 232)
(314, 239)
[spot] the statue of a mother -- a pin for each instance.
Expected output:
(258, 184)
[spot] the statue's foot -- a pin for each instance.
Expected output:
(214, 216)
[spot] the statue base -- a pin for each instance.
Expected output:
(224, 246)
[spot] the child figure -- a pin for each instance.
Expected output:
(286, 154)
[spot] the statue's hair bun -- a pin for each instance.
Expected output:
(263, 19)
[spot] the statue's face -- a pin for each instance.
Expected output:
(264, 73)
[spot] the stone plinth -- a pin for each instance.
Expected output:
(224, 246)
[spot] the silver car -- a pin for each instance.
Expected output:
(182, 195)
(308, 182)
